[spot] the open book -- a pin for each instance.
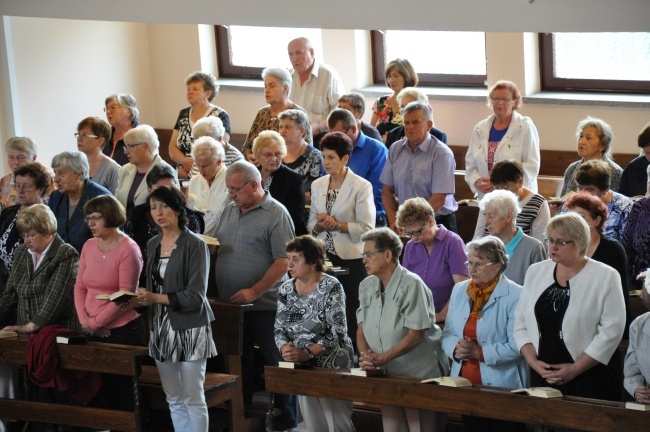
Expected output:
(368, 372)
(121, 296)
(8, 334)
(541, 392)
(449, 381)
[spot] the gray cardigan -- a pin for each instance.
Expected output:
(529, 251)
(186, 280)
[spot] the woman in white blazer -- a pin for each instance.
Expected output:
(571, 316)
(342, 210)
(141, 148)
(505, 134)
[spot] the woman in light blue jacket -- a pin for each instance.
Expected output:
(478, 334)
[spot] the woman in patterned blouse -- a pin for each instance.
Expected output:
(310, 326)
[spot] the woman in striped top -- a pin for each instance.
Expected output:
(509, 175)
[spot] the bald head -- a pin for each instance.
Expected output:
(301, 55)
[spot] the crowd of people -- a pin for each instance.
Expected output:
(531, 300)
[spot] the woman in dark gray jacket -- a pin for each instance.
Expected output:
(180, 337)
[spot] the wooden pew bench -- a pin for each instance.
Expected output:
(92, 357)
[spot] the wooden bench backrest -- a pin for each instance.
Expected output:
(228, 327)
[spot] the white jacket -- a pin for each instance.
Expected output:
(125, 181)
(521, 143)
(595, 318)
(354, 205)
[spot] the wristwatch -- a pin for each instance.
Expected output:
(309, 353)
(340, 228)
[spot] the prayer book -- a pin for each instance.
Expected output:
(210, 241)
(449, 381)
(294, 365)
(541, 392)
(121, 296)
(71, 340)
(637, 406)
(8, 334)
(368, 372)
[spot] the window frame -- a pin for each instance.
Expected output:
(378, 52)
(550, 82)
(225, 67)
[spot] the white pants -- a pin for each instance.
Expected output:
(183, 386)
(321, 414)
(412, 420)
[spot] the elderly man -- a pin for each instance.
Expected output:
(251, 264)
(368, 155)
(356, 104)
(207, 191)
(420, 166)
(315, 86)
(213, 128)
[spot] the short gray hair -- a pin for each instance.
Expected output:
(605, 133)
(209, 126)
(75, 161)
(414, 93)
(208, 146)
(356, 101)
(385, 239)
(491, 248)
(419, 106)
(143, 134)
(573, 227)
(126, 101)
(300, 118)
(281, 74)
(23, 144)
(248, 171)
(502, 201)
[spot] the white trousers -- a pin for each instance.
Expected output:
(183, 386)
(412, 420)
(326, 415)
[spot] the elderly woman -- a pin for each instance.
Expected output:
(535, 212)
(505, 134)
(213, 127)
(74, 190)
(92, 135)
(295, 128)
(397, 329)
(637, 364)
(284, 184)
(109, 262)
(342, 210)
(356, 104)
(201, 91)
(142, 150)
(180, 339)
(405, 97)
(594, 178)
(207, 192)
(434, 253)
(310, 326)
(277, 87)
(20, 151)
(500, 208)
(571, 316)
(40, 286)
(478, 335)
(386, 111)
(32, 183)
(594, 143)
(122, 114)
(636, 235)
(634, 177)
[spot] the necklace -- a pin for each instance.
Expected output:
(105, 246)
(172, 245)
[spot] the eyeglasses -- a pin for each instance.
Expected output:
(27, 236)
(479, 266)
(93, 219)
(235, 191)
(132, 146)
(371, 254)
(562, 243)
(23, 187)
(271, 155)
(112, 108)
(84, 135)
(415, 233)
(497, 100)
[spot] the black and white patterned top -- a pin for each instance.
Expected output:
(331, 199)
(9, 241)
(309, 165)
(315, 318)
(184, 127)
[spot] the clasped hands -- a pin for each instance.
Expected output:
(642, 395)
(371, 360)
(483, 185)
(558, 374)
(292, 353)
(466, 349)
(325, 222)
(101, 332)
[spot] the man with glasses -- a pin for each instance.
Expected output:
(368, 155)
(251, 265)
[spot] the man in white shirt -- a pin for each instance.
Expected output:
(315, 86)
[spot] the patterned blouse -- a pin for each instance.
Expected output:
(387, 119)
(309, 165)
(315, 318)
(184, 126)
(636, 235)
(618, 210)
(570, 184)
(9, 241)
(264, 121)
(331, 199)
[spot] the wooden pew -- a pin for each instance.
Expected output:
(227, 331)
(93, 357)
(570, 412)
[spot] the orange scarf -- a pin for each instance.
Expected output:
(480, 295)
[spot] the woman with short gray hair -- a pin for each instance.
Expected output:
(122, 114)
(277, 86)
(213, 127)
(74, 190)
(478, 336)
